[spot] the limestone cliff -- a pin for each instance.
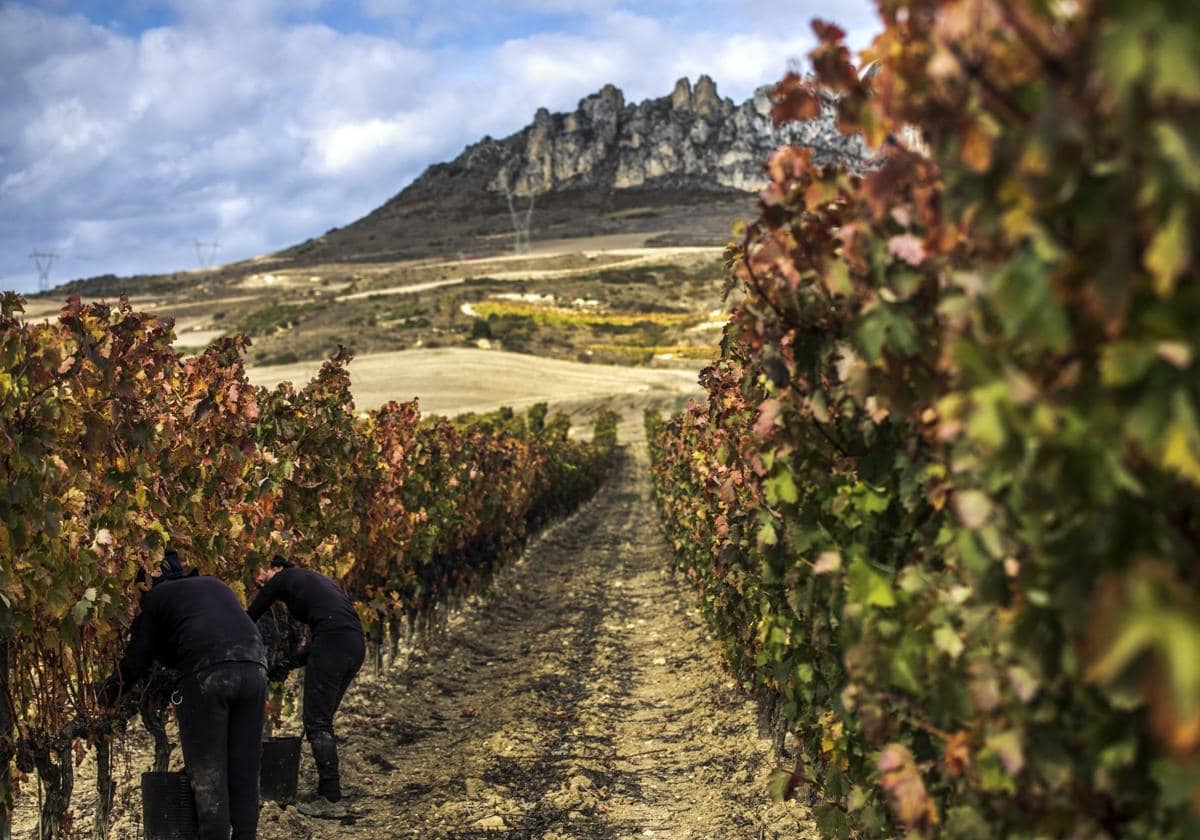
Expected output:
(692, 138)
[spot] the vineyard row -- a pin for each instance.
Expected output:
(942, 503)
(113, 445)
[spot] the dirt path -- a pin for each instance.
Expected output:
(583, 699)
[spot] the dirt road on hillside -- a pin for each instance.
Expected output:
(583, 699)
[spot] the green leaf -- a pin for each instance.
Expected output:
(1026, 304)
(882, 325)
(1123, 362)
(781, 488)
(1177, 782)
(781, 784)
(1118, 755)
(837, 278)
(993, 777)
(974, 507)
(80, 611)
(1147, 419)
(1007, 746)
(1124, 54)
(965, 823)
(985, 422)
(1175, 146)
(820, 407)
(1176, 58)
(857, 798)
(767, 535)
(1023, 683)
(832, 821)
(871, 501)
(872, 332)
(867, 586)
(905, 669)
(947, 641)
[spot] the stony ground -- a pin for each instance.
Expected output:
(582, 698)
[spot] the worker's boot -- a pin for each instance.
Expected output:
(328, 802)
(324, 809)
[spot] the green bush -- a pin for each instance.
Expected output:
(274, 318)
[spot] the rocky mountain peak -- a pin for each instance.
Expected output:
(692, 138)
(681, 97)
(702, 100)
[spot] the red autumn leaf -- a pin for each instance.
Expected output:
(909, 801)
(793, 100)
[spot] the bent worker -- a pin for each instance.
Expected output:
(334, 654)
(195, 624)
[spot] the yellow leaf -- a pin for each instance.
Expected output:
(1169, 252)
(977, 140)
(1181, 443)
(239, 589)
(1178, 453)
(1175, 146)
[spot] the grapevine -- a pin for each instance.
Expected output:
(112, 445)
(941, 503)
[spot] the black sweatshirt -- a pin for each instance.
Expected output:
(188, 624)
(311, 598)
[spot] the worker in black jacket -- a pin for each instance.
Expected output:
(195, 624)
(332, 658)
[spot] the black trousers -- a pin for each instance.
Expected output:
(333, 661)
(220, 730)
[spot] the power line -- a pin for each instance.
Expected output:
(43, 260)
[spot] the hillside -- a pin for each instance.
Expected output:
(678, 168)
(626, 208)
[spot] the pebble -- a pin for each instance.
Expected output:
(492, 823)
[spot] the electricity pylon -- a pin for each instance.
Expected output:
(507, 164)
(43, 261)
(206, 251)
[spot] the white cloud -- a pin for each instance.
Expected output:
(257, 125)
(355, 145)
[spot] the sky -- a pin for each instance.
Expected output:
(131, 130)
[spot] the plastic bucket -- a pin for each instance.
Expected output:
(168, 807)
(280, 769)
